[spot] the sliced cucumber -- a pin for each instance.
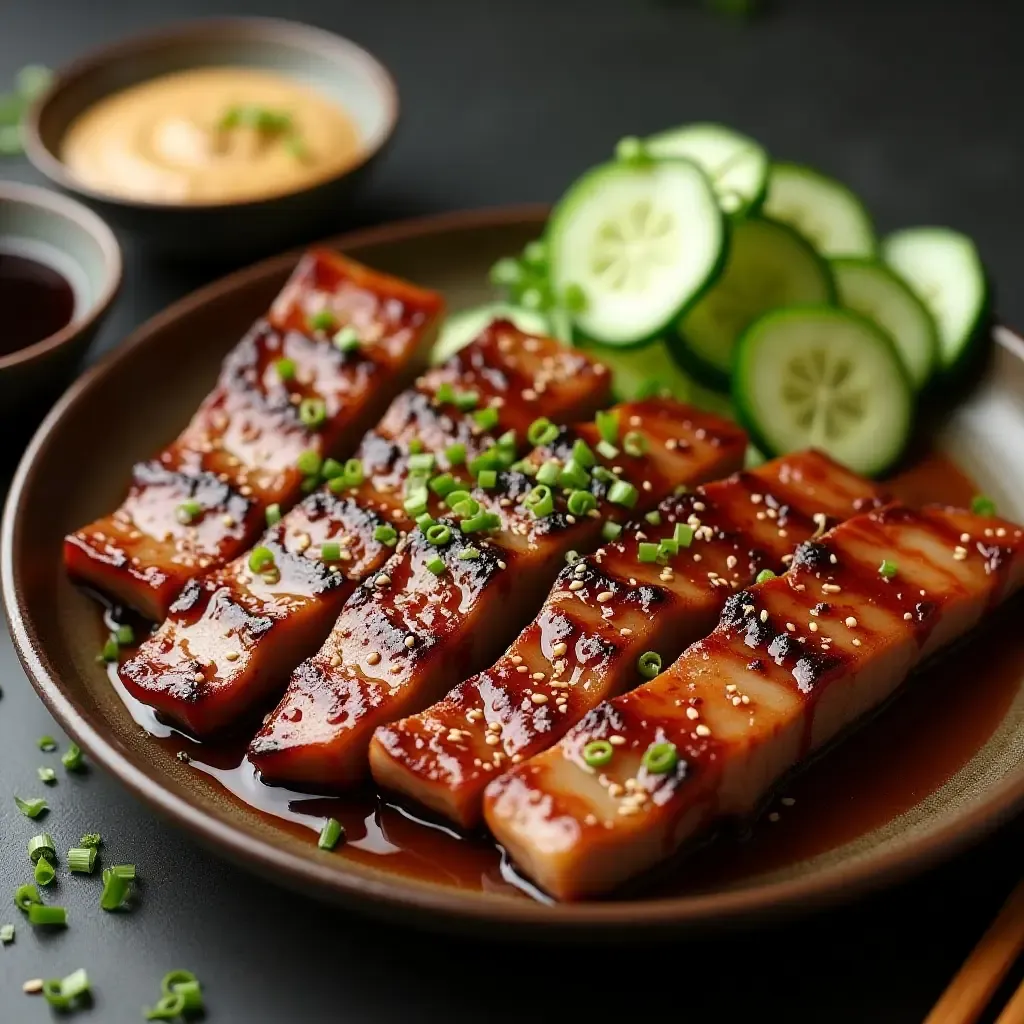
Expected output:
(641, 241)
(814, 376)
(870, 288)
(769, 265)
(461, 328)
(822, 209)
(944, 269)
(642, 372)
(735, 164)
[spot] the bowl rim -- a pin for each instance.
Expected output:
(113, 265)
(419, 902)
(303, 36)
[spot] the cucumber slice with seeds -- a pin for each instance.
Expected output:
(461, 328)
(822, 209)
(642, 242)
(770, 265)
(735, 164)
(944, 269)
(814, 376)
(870, 288)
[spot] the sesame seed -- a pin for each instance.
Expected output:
(539, 698)
(856, 642)
(232, 656)
(831, 588)
(33, 987)
(522, 668)
(373, 658)
(605, 596)
(851, 622)
(964, 538)
(702, 730)
(764, 615)
(787, 801)
(731, 688)
(773, 817)
(791, 627)
(616, 741)
(744, 699)
(693, 714)
(382, 581)
(730, 562)
(516, 659)
(626, 631)
(501, 564)
(558, 650)
(335, 660)
(812, 626)
(491, 739)
(198, 677)
(907, 616)
(228, 521)
(756, 499)
(410, 641)
(833, 559)
(538, 676)
(576, 585)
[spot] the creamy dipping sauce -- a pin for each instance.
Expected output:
(211, 135)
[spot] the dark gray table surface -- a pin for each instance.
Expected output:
(917, 106)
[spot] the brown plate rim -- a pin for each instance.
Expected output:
(426, 903)
(47, 162)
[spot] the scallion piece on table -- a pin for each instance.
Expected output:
(90, 839)
(44, 872)
(63, 993)
(32, 807)
(330, 834)
(116, 886)
(46, 775)
(41, 846)
(72, 758)
(25, 896)
(47, 915)
(47, 744)
(6, 934)
(82, 859)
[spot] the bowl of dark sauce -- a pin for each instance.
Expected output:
(60, 269)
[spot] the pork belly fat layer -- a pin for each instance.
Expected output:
(228, 644)
(200, 501)
(793, 661)
(401, 644)
(579, 651)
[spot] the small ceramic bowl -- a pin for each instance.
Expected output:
(329, 63)
(75, 242)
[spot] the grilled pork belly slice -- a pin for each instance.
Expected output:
(578, 652)
(292, 384)
(230, 640)
(793, 661)
(414, 631)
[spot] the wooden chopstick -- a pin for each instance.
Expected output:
(976, 982)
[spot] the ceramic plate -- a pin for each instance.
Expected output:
(929, 775)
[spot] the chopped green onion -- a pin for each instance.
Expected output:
(44, 872)
(25, 896)
(453, 498)
(309, 462)
(507, 272)
(602, 473)
(38, 914)
(445, 393)
(436, 565)
(438, 534)
(548, 473)
(486, 418)
(541, 432)
(574, 298)
(188, 511)
(6, 934)
(416, 505)
(261, 559)
(483, 521)
(72, 758)
(623, 493)
(982, 505)
(654, 518)
(273, 514)
(41, 846)
(574, 475)
(488, 479)
(466, 401)
(330, 834)
(110, 650)
(346, 340)
(490, 459)
(606, 450)
(683, 535)
(116, 885)
(422, 462)
(285, 368)
(354, 473)
(597, 753)
(415, 446)
(580, 503)
(385, 533)
(167, 1008)
(322, 320)
(31, 808)
(443, 484)
(424, 521)
(90, 839)
(47, 775)
(330, 551)
(647, 552)
(332, 469)
(649, 664)
(125, 635)
(312, 412)
(634, 444)
(61, 994)
(540, 501)
(572, 557)
(888, 569)
(47, 744)
(660, 758)
(583, 454)
(610, 530)
(466, 508)
(455, 453)
(124, 870)
(764, 575)
(82, 859)
(608, 425)
(507, 440)
(667, 548)
(182, 996)
(469, 553)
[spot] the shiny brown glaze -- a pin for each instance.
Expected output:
(231, 638)
(409, 635)
(792, 662)
(579, 652)
(247, 434)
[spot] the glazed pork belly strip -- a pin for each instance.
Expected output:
(233, 635)
(793, 661)
(339, 342)
(584, 647)
(438, 613)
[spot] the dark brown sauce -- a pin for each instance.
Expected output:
(36, 300)
(929, 732)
